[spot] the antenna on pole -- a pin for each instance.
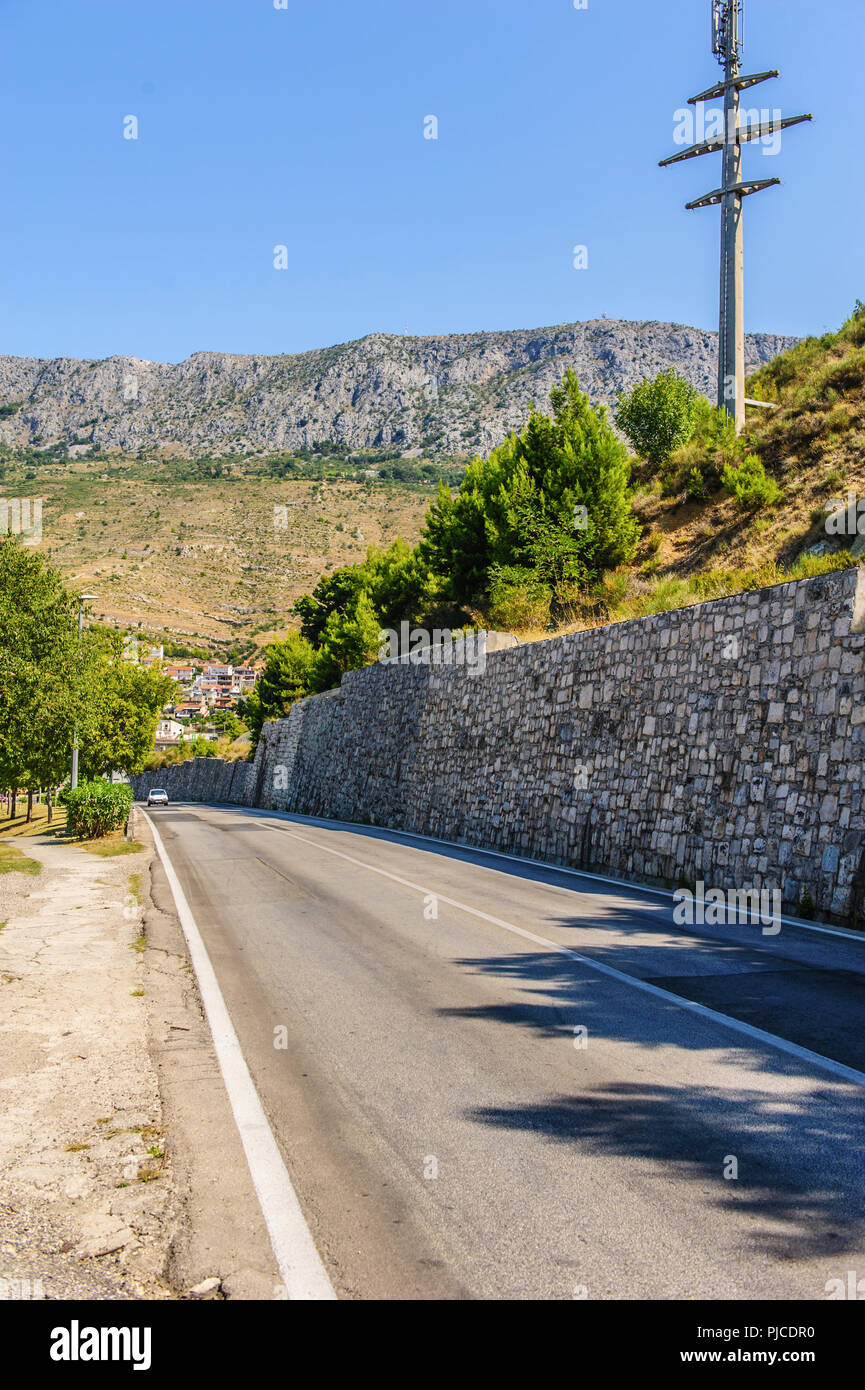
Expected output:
(728, 27)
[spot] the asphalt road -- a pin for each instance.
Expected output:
(468, 1111)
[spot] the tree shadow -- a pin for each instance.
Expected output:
(798, 1167)
(799, 1155)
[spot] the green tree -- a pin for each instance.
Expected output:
(55, 684)
(556, 496)
(128, 700)
(396, 580)
(658, 416)
(42, 670)
(349, 641)
(228, 722)
(285, 679)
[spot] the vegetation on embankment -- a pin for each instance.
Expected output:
(560, 529)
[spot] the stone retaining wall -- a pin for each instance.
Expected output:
(722, 742)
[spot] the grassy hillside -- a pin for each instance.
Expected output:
(213, 564)
(698, 542)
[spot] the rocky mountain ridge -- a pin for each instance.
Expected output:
(452, 394)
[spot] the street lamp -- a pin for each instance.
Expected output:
(73, 780)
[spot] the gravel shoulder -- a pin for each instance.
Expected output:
(121, 1172)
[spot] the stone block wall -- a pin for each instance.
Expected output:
(722, 742)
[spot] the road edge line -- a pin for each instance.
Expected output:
(300, 1265)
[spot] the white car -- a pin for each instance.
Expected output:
(157, 797)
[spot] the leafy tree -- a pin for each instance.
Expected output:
(202, 747)
(285, 679)
(658, 416)
(128, 700)
(349, 641)
(228, 722)
(41, 670)
(55, 684)
(555, 496)
(396, 580)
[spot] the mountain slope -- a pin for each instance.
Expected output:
(456, 394)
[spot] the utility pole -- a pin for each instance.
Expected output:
(727, 42)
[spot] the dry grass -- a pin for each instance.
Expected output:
(15, 861)
(19, 825)
(111, 847)
(203, 562)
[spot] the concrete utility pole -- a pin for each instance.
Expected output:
(727, 36)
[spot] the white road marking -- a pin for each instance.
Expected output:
(626, 885)
(303, 1274)
(802, 1054)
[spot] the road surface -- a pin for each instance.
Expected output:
(481, 1087)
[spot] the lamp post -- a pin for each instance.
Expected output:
(73, 780)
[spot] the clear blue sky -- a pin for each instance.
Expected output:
(304, 127)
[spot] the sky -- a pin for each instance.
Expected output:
(302, 124)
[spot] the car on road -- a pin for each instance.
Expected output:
(157, 797)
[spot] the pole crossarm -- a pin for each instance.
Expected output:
(756, 132)
(710, 200)
(710, 146)
(740, 83)
(743, 134)
(728, 28)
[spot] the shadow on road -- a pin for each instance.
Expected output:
(799, 1156)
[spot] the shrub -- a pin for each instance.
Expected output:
(749, 484)
(669, 594)
(806, 906)
(95, 808)
(658, 416)
(697, 485)
(518, 599)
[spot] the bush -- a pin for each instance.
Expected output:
(749, 484)
(95, 808)
(697, 485)
(518, 599)
(658, 416)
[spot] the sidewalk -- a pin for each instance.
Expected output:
(87, 1205)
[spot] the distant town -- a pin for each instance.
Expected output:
(208, 689)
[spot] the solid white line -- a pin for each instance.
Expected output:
(303, 1274)
(802, 1054)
